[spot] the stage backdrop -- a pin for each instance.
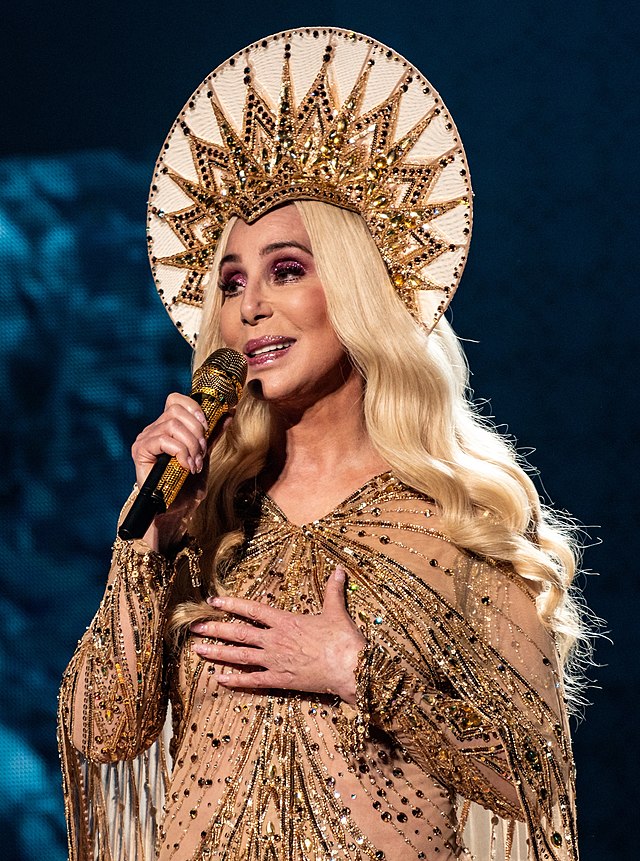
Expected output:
(541, 94)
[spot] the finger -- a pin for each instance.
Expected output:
(162, 437)
(241, 656)
(188, 404)
(258, 680)
(175, 428)
(176, 411)
(179, 419)
(148, 451)
(230, 632)
(145, 452)
(334, 598)
(254, 610)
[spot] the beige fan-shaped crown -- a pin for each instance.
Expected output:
(320, 114)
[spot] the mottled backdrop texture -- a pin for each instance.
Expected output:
(544, 95)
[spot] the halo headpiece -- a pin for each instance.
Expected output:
(313, 114)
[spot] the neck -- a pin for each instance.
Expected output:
(325, 439)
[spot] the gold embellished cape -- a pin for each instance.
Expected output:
(458, 746)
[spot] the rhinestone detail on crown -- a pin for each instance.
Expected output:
(352, 153)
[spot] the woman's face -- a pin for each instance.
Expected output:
(274, 311)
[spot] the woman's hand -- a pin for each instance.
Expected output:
(180, 432)
(294, 651)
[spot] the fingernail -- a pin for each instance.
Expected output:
(215, 602)
(199, 463)
(339, 574)
(203, 445)
(198, 628)
(201, 418)
(192, 465)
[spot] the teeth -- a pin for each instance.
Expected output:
(270, 348)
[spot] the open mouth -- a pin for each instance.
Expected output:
(265, 350)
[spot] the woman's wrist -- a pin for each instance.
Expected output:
(347, 687)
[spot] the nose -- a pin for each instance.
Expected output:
(254, 305)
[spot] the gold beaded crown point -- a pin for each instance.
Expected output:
(313, 114)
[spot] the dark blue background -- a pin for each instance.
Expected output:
(545, 97)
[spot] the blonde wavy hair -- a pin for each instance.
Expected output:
(421, 420)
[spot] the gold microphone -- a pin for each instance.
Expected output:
(217, 387)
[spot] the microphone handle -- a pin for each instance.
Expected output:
(167, 476)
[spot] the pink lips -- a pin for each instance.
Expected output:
(270, 348)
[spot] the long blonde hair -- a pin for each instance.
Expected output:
(420, 418)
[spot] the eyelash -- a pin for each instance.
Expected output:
(282, 271)
(231, 286)
(288, 270)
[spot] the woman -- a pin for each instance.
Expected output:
(363, 640)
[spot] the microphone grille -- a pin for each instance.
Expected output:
(223, 374)
(228, 361)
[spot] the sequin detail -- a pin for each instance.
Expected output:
(336, 131)
(457, 704)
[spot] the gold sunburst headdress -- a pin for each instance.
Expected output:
(313, 114)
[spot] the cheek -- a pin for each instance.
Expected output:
(230, 329)
(311, 312)
(310, 308)
(324, 338)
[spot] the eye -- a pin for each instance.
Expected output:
(231, 285)
(288, 270)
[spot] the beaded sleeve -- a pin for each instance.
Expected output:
(447, 736)
(113, 709)
(113, 697)
(469, 686)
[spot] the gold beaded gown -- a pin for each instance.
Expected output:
(458, 746)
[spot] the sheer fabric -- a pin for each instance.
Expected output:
(458, 746)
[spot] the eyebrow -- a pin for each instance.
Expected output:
(268, 249)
